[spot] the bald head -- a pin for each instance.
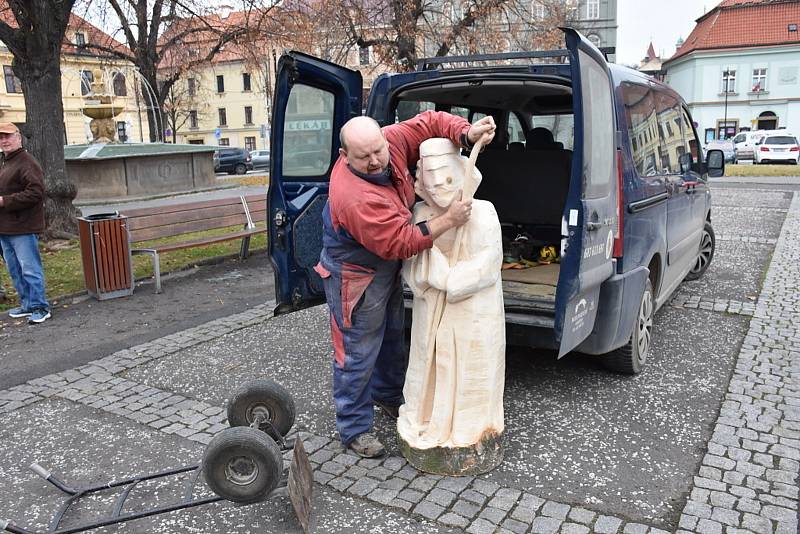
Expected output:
(363, 145)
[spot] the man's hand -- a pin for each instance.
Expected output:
(483, 126)
(457, 214)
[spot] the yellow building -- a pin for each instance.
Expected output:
(78, 70)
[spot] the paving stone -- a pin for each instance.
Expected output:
(429, 510)
(481, 526)
(724, 500)
(688, 522)
(422, 484)
(606, 524)
(364, 486)
(758, 524)
(466, 509)
(485, 487)
(383, 496)
(455, 484)
(474, 496)
(706, 526)
(545, 525)
(574, 528)
(697, 510)
(517, 527)
(411, 495)
(635, 528)
(725, 516)
(453, 520)
(441, 497)
(581, 515)
(556, 510)
(495, 515)
(394, 484)
(321, 477)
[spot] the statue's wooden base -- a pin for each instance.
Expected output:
(456, 461)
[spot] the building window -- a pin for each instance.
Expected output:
(593, 9)
(246, 81)
(86, 82)
(193, 118)
(363, 56)
(80, 39)
(538, 10)
(13, 84)
(224, 141)
(120, 87)
(250, 143)
(248, 114)
(759, 80)
(191, 86)
(122, 131)
(220, 84)
(223, 117)
(728, 81)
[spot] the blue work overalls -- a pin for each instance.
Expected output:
(365, 299)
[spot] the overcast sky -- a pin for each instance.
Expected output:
(641, 21)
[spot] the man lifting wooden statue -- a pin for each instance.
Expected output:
(452, 419)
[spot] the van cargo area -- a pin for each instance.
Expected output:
(527, 180)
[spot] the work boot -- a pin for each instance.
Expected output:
(388, 409)
(367, 445)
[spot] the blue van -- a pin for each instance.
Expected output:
(598, 160)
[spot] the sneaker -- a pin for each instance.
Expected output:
(16, 313)
(38, 316)
(388, 409)
(367, 445)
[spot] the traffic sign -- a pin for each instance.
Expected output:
(218, 132)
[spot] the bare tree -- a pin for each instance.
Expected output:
(165, 39)
(187, 101)
(33, 30)
(401, 32)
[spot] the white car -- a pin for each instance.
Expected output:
(744, 144)
(778, 148)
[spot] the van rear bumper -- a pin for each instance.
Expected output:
(620, 297)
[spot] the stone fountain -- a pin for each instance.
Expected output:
(106, 169)
(99, 105)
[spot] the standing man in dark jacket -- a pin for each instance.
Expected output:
(21, 219)
(367, 232)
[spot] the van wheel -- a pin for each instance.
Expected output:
(705, 254)
(630, 358)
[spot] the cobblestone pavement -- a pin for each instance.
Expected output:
(746, 480)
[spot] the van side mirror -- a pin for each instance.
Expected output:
(685, 161)
(715, 163)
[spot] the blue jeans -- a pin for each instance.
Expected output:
(21, 254)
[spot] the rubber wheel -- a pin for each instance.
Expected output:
(631, 357)
(242, 465)
(705, 254)
(240, 169)
(264, 397)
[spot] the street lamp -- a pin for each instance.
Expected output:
(726, 77)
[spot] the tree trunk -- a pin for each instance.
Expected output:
(44, 133)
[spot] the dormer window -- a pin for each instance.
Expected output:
(80, 39)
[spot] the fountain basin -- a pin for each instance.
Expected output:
(135, 170)
(102, 111)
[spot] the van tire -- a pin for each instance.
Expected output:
(631, 357)
(705, 253)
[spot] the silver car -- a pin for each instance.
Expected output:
(260, 158)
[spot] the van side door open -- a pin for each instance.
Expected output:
(589, 225)
(313, 99)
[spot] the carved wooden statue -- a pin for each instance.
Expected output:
(452, 419)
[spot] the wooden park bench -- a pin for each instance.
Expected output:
(146, 224)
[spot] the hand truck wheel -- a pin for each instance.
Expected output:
(262, 399)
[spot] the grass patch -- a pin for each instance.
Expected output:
(249, 180)
(63, 269)
(762, 170)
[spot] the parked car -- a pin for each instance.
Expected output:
(744, 145)
(619, 187)
(725, 145)
(260, 158)
(232, 161)
(774, 148)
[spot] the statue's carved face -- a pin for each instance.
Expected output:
(442, 177)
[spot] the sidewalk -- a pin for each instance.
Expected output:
(154, 405)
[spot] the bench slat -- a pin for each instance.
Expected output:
(186, 206)
(208, 240)
(157, 232)
(165, 219)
